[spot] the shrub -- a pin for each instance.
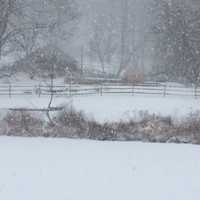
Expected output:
(74, 124)
(23, 123)
(69, 123)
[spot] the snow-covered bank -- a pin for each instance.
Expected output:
(87, 170)
(113, 108)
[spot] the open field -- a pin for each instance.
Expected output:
(111, 107)
(74, 169)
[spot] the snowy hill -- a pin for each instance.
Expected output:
(49, 169)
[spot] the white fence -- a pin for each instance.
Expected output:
(74, 90)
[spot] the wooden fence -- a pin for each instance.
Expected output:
(75, 90)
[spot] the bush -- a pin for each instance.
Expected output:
(23, 123)
(69, 123)
(190, 127)
(73, 124)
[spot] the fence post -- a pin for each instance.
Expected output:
(133, 90)
(101, 90)
(70, 89)
(39, 91)
(165, 90)
(195, 91)
(10, 90)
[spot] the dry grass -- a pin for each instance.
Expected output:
(72, 124)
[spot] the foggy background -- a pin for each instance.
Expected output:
(146, 39)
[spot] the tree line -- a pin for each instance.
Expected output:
(176, 32)
(166, 35)
(28, 24)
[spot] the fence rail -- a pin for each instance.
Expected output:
(76, 90)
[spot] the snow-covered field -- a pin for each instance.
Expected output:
(111, 107)
(49, 169)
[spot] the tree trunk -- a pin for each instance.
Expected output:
(124, 35)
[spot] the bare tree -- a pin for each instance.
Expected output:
(178, 41)
(113, 35)
(62, 17)
(48, 20)
(7, 8)
(26, 40)
(16, 24)
(124, 37)
(103, 40)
